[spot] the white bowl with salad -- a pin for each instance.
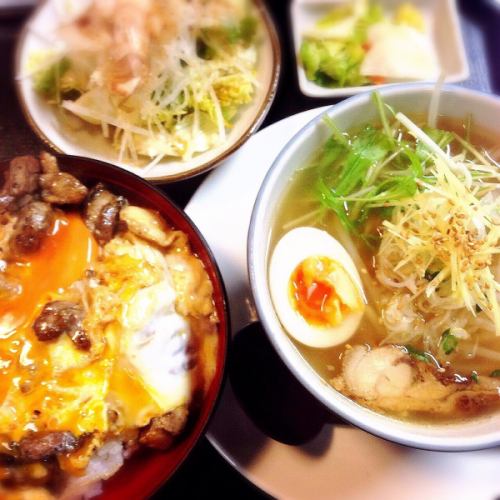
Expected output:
(344, 47)
(166, 89)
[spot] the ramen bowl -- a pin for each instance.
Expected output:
(413, 100)
(146, 469)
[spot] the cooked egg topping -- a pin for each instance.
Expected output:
(137, 366)
(35, 390)
(315, 288)
(153, 339)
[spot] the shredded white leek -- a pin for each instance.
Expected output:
(439, 249)
(434, 103)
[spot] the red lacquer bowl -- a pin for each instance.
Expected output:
(146, 471)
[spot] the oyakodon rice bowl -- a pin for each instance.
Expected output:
(112, 332)
(373, 258)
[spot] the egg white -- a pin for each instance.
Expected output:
(294, 247)
(153, 336)
(156, 343)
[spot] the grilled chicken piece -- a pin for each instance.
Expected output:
(62, 189)
(11, 205)
(21, 181)
(58, 187)
(192, 284)
(162, 431)
(6, 201)
(60, 317)
(102, 213)
(22, 176)
(107, 223)
(388, 379)
(41, 446)
(33, 222)
(7, 204)
(48, 163)
(148, 225)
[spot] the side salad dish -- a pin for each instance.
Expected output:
(359, 43)
(157, 79)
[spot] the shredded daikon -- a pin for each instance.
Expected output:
(171, 76)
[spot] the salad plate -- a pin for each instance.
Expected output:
(443, 40)
(161, 159)
(256, 427)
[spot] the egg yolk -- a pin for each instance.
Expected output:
(322, 292)
(51, 385)
(42, 276)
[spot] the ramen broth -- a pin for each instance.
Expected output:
(300, 206)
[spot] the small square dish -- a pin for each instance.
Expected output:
(439, 33)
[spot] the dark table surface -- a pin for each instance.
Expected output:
(205, 474)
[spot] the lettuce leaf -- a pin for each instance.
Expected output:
(47, 82)
(337, 62)
(331, 63)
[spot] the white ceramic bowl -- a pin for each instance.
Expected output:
(412, 98)
(40, 33)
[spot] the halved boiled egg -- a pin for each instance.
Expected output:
(315, 288)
